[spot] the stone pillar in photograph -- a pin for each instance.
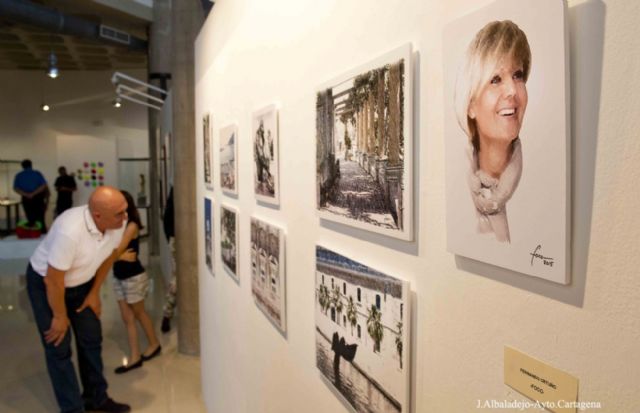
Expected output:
(325, 152)
(380, 114)
(361, 140)
(395, 126)
(371, 134)
(395, 167)
(187, 20)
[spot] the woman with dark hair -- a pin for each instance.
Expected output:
(131, 286)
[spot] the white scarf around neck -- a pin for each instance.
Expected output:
(490, 195)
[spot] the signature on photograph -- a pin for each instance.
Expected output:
(537, 253)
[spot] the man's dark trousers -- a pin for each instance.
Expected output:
(88, 332)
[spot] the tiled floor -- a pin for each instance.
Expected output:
(167, 384)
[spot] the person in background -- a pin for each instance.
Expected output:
(33, 188)
(65, 186)
(131, 286)
(64, 277)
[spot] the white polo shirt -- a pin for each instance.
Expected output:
(75, 245)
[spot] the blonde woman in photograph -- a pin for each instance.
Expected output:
(491, 100)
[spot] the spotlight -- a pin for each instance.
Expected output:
(117, 102)
(52, 70)
(45, 107)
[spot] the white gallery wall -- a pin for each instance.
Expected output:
(252, 53)
(81, 106)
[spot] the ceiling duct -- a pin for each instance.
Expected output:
(52, 20)
(114, 35)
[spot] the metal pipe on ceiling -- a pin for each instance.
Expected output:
(26, 12)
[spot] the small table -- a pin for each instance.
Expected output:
(7, 204)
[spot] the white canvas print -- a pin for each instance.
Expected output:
(207, 151)
(364, 146)
(507, 137)
(228, 159)
(229, 240)
(265, 155)
(268, 271)
(362, 333)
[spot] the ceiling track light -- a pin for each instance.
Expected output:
(45, 107)
(52, 70)
(117, 102)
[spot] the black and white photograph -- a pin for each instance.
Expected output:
(507, 137)
(207, 151)
(229, 240)
(228, 159)
(208, 234)
(362, 333)
(268, 271)
(265, 155)
(364, 146)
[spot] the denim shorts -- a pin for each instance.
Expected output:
(132, 289)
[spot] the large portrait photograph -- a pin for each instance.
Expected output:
(228, 159)
(268, 271)
(507, 137)
(265, 155)
(364, 146)
(362, 333)
(207, 151)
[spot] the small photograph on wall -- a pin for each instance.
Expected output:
(229, 240)
(507, 108)
(228, 157)
(364, 146)
(207, 152)
(362, 333)
(268, 271)
(208, 234)
(265, 155)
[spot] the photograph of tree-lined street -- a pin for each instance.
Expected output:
(361, 149)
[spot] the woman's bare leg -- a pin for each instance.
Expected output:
(147, 325)
(129, 320)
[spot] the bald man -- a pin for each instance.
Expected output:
(64, 277)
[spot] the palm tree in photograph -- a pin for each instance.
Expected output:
(336, 301)
(399, 342)
(352, 315)
(374, 327)
(323, 298)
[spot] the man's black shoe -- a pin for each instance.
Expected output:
(109, 406)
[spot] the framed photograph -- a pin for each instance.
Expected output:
(207, 152)
(208, 233)
(265, 155)
(228, 159)
(364, 146)
(362, 333)
(507, 108)
(268, 271)
(229, 240)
